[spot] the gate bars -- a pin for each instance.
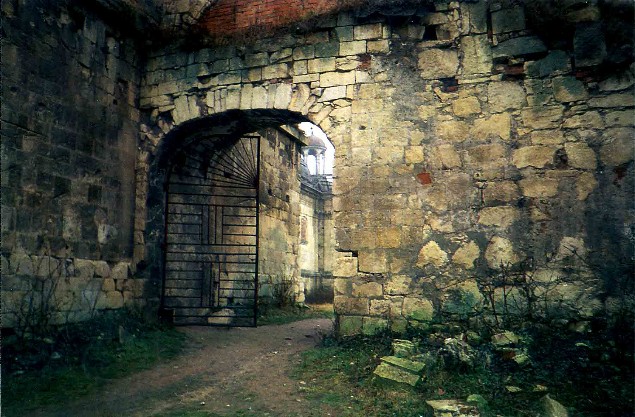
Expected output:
(212, 219)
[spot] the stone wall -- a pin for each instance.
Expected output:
(468, 148)
(70, 86)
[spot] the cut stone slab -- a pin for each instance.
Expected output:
(552, 408)
(393, 373)
(516, 47)
(403, 348)
(405, 364)
(451, 408)
(505, 339)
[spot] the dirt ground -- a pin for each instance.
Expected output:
(225, 372)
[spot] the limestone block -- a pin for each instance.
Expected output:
(466, 106)
(452, 131)
(185, 108)
(567, 89)
(621, 149)
(556, 62)
(352, 48)
(102, 269)
(232, 100)
(261, 59)
(438, 63)
(84, 269)
(500, 216)
(508, 20)
(331, 79)
(539, 187)
(333, 93)
(486, 156)
(389, 237)
(373, 325)
(585, 184)
(613, 100)
(545, 117)
(589, 48)
(419, 309)
(345, 266)
(477, 55)
(378, 47)
(518, 47)
(47, 266)
(120, 271)
(342, 286)
(374, 262)
(500, 251)
(283, 96)
(501, 192)
(367, 289)
(495, 126)
(620, 118)
(536, 156)
(590, 119)
(260, 97)
(280, 70)
(580, 155)
(547, 137)
(380, 308)
(348, 305)
(109, 300)
(370, 31)
(108, 284)
(431, 254)
(246, 96)
(398, 285)
(503, 95)
(618, 82)
(389, 155)
(466, 255)
(444, 157)
(414, 154)
(319, 65)
(349, 325)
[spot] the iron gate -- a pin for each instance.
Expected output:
(211, 253)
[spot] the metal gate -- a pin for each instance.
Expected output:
(211, 253)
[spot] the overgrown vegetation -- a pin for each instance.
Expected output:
(287, 314)
(590, 376)
(77, 359)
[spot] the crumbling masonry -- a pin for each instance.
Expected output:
(473, 140)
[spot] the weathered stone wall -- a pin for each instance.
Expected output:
(70, 117)
(467, 147)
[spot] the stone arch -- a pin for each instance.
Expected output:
(158, 145)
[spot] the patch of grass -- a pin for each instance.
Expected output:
(282, 315)
(339, 375)
(82, 362)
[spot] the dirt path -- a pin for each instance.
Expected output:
(226, 372)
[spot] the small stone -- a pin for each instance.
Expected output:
(513, 389)
(567, 89)
(432, 254)
(505, 339)
(393, 373)
(438, 63)
(500, 251)
(552, 408)
(411, 366)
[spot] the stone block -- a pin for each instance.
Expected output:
(431, 254)
(418, 309)
(477, 55)
(518, 47)
(352, 48)
(283, 96)
(109, 300)
(504, 95)
(303, 52)
(556, 62)
(495, 126)
(500, 216)
(369, 31)
(613, 100)
(367, 289)
(319, 65)
(567, 89)
(452, 131)
(349, 325)
(399, 285)
(451, 408)
(333, 93)
(589, 48)
(545, 117)
(620, 118)
(580, 155)
(585, 184)
(120, 271)
(500, 251)
(414, 154)
(501, 192)
(378, 47)
(539, 187)
(373, 262)
(547, 137)
(102, 269)
(345, 266)
(508, 20)
(348, 305)
(331, 79)
(618, 82)
(373, 325)
(275, 71)
(620, 149)
(438, 63)
(84, 269)
(536, 156)
(466, 106)
(486, 156)
(590, 119)
(396, 374)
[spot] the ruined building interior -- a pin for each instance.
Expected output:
(153, 156)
